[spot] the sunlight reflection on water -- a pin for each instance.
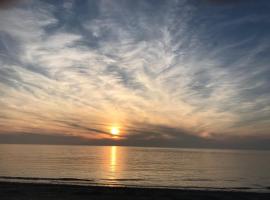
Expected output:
(114, 165)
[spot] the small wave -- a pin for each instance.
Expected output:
(43, 179)
(241, 188)
(123, 179)
(196, 179)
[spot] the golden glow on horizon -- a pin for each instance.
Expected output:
(115, 131)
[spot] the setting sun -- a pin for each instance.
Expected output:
(115, 131)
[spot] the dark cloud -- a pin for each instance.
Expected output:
(35, 138)
(160, 135)
(224, 2)
(85, 128)
(5, 4)
(179, 139)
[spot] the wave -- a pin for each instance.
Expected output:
(123, 179)
(121, 183)
(45, 179)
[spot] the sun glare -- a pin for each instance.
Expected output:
(115, 131)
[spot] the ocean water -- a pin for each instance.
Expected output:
(136, 166)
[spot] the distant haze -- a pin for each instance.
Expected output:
(187, 73)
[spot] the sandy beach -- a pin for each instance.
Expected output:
(26, 191)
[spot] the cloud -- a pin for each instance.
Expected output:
(224, 1)
(80, 68)
(175, 138)
(5, 4)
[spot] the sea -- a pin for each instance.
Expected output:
(204, 169)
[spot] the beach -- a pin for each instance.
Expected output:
(41, 191)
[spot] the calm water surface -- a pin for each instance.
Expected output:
(134, 166)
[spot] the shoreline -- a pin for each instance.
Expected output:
(44, 191)
(93, 182)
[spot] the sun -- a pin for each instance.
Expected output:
(115, 131)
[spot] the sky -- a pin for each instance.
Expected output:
(184, 73)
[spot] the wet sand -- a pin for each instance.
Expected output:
(23, 191)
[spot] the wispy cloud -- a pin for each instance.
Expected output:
(78, 68)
